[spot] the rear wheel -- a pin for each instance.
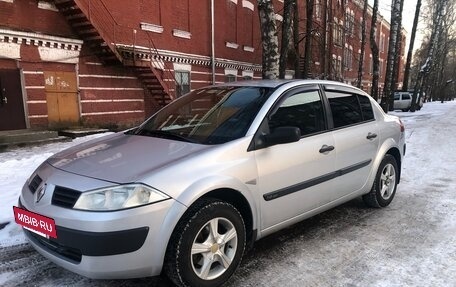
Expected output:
(207, 245)
(385, 184)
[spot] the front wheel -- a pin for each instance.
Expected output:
(385, 184)
(207, 245)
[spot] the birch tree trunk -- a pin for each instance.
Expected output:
(374, 49)
(412, 42)
(387, 93)
(269, 39)
(363, 45)
(397, 54)
(286, 32)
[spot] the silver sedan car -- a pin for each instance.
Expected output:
(196, 184)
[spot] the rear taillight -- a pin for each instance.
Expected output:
(402, 126)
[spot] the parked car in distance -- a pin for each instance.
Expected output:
(202, 179)
(403, 101)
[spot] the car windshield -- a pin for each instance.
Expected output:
(212, 115)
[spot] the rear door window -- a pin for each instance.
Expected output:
(345, 109)
(349, 108)
(406, 97)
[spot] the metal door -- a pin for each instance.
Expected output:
(12, 116)
(62, 98)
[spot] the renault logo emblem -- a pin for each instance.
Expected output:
(40, 192)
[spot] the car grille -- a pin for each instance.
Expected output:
(34, 183)
(65, 197)
(71, 254)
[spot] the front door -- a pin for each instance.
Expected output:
(296, 177)
(62, 98)
(12, 116)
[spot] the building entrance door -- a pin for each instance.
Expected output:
(12, 116)
(62, 98)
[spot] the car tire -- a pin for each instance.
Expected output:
(405, 110)
(194, 257)
(385, 184)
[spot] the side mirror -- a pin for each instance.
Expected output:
(282, 135)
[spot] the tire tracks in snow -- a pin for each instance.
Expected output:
(21, 265)
(19, 257)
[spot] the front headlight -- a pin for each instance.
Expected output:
(118, 197)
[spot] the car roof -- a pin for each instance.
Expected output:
(277, 83)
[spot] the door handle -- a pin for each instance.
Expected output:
(326, 148)
(371, 136)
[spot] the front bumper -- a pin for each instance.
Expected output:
(72, 244)
(103, 245)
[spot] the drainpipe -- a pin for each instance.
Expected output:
(212, 42)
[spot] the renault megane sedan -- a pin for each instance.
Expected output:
(194, 185)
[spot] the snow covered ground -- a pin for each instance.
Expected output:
(410, 243)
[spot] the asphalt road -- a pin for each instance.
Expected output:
(410, 243)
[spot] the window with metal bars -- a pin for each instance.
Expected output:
(182, 83)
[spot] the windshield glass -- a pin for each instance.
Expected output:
(212, 115)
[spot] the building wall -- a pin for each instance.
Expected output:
(106, 95)
(26, 15)
(109, 95)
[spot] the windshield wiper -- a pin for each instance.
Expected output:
(164, 135)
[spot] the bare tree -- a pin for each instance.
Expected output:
(308, 42)
(387, 92)
(269, 39)
(412, 42)
(426, 68)
(363, 45)
(326, 38)
(374, 49)
(297, 65)
(286, 32)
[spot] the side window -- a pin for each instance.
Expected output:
(182, 83)
(396, 97)
(230, 78)
(345, 109)
(406, 97)
(366, 108)
(303, 110)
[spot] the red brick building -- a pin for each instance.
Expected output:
(107, 62)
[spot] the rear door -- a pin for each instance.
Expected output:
(296, 177)
(356, 137)
(12, 116)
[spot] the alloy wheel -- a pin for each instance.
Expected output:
(214, 248)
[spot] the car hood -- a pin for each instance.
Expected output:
(122, 158)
